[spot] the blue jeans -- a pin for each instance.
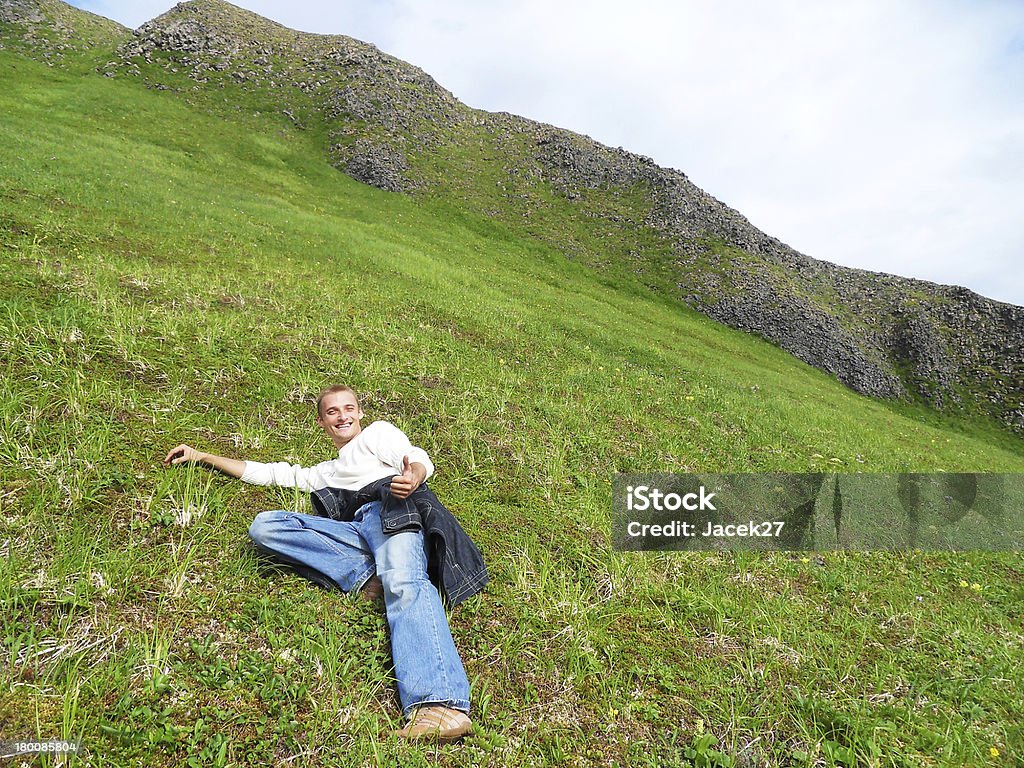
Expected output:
(346, 554)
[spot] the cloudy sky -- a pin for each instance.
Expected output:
(881, 134)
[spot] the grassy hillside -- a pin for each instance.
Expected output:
(388, 123)
(174, 276)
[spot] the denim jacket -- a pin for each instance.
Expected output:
(454, 563)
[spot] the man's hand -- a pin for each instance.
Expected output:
(186, 454)
(183, 454)
(412, 476)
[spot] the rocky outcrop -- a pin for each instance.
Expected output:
(882, 335)
(379, 165)
(49, 29)
(21, 12)
(377, 107)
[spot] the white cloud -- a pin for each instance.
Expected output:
(888, 136)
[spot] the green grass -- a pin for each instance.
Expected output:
(171, 275)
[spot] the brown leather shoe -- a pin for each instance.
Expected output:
(372, 590)
(438, 723)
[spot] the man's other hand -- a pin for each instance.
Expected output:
(412, 475)
(183, 454)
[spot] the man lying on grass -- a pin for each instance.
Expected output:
(379, 530)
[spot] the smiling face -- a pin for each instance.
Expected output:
(339, 416)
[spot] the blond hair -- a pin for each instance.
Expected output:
(333, 389)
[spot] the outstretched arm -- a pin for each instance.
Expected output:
(186, 454)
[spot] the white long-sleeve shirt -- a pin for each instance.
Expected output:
(375, 453)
